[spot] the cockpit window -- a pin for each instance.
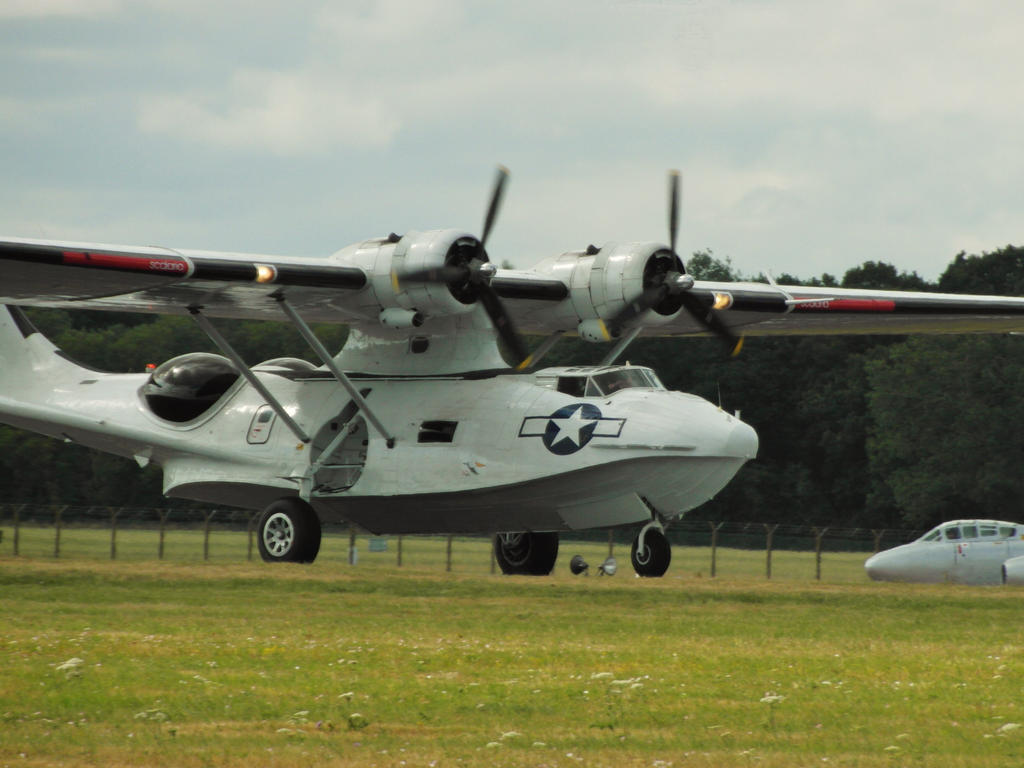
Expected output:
(952, 532)
(970, 531)
(932, 536)
(575, 386)
(624, 378)
(987, 530)
(1007, 531)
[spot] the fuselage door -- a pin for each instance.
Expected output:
(262, 423)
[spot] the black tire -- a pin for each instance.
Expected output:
(528, 553)
(288, 532)
(656, 556)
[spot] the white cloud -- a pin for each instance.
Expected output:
(284, 113)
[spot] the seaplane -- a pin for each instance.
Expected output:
(434, 417)
(959, 552)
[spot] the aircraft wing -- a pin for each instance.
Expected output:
(334, 289)
(762, 309)
(68, 275)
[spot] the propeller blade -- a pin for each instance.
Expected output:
(502, 323)
(492, 209)
(649, 298)
(673, 209)
(710, 320)
(442, 274)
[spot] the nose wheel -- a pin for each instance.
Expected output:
(651, 553)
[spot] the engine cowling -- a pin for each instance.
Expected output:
(389, 261)
(602, 281)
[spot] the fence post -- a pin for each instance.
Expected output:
(56, 532)
(819, 534)
(714, 547)
(448, 555)
(769, 532)
(206, 535)
(878, 539)
(611, 542)
(113, 532)
(352, 556)
(162, 513)
(399, 551)
(17, 527)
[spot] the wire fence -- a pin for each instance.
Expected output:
(712, 548)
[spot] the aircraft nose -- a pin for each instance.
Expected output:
(742, 441)
(880, 567)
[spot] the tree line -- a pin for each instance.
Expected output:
(855, 431)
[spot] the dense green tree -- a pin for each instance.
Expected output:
(947, 437)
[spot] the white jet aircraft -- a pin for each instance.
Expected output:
(420, 424)
(960, 551)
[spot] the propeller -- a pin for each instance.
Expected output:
(470, 279)
(666, 282)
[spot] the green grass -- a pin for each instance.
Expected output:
(229, 663)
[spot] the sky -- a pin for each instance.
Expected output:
(812, 136)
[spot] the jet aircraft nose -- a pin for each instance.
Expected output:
(886, 566)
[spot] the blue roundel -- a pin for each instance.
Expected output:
(571, 427)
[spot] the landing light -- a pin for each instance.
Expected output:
(265, 273)
(722, 301)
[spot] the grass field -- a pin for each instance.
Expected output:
(188, 662)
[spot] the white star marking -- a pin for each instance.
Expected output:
(571, 427)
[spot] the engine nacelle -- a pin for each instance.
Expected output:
(400, 303)
(1013, 570)
(602, 281)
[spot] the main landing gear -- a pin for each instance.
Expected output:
(527, 553)
(289, 532)
(651, 553)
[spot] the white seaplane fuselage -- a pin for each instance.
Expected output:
(477, 452)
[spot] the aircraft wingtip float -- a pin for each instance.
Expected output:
(419, 424)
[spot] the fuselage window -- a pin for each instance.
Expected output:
(1007, 531)
(437, 431)
(952, 533)
(988, 530)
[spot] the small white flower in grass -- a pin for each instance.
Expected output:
(891, 748)
(511, 735)
(357, 722)
(493, 744)
(1007, 727)
(70, 668)
(602, 676)
(772, 698)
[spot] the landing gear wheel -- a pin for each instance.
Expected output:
(288, 532)
(528, 553)
(654, 558)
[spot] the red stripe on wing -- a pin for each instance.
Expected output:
(846, 305)
(165, 265)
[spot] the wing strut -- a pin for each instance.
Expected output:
(339, 374)
(246, 371)
(624, 342)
